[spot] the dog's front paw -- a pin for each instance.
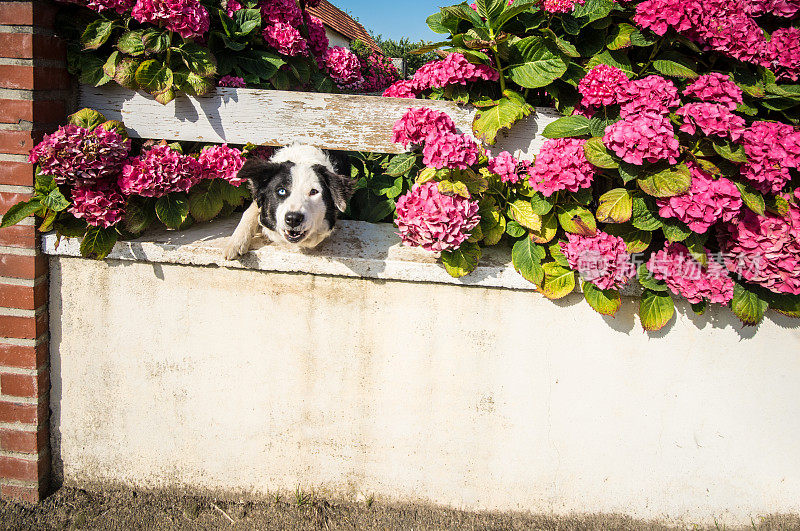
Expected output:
(236, 247)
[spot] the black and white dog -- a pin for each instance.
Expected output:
(295, 197)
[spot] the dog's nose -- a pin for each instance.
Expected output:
(293, 219)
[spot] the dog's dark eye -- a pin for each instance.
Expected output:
(281, 192)
(313, 191)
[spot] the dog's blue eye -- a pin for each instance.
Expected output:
(313, 192)
(281, 192)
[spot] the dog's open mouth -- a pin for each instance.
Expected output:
(294, 236)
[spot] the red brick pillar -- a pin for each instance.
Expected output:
(34, 96)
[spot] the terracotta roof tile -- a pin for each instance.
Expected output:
(338, 20)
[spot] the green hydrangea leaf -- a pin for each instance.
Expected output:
(656, 309)
(604, 301)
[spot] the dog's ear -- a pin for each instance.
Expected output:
(258, 172)
(340, 186)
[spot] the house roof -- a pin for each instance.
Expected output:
(338, 20)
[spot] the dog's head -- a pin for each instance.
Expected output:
(298, 192)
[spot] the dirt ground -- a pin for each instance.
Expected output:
(72, 508)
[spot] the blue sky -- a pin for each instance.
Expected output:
(394, 18)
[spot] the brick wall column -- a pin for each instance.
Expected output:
(34, 97)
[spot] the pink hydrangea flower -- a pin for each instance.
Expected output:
(221, 162)
(560, 6)
(454, 69)
(784, 52)
(651, 93)
(231, 81)
(713, 119)
(159, 171)
(765, 250)
(685, 276)
(99, 204)
(561, 165)
(417, 125)
(280, 11)
(647, 136)
(188, 18)
(286, 39)
(602, 85)
(507, 167)
(707, 202)
(660, 15)
(435, 221)
(231, 7)
(120, 6)
(343, 66)
(716, 88)
(379, 72)
(771, 149)
(450, 150)
(317, 39)
(76, 155)
(779, 8)
(401, 89)
(601, 259)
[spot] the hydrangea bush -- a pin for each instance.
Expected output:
(675, 161)
(169, 47)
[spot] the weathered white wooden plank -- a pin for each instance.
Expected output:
(277, 118)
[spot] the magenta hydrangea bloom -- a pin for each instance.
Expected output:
(317, 39)
(601, 259)
(713, 119)
(784, 52)
(771, 149)
(716, 88)
(560, 6)
(231, 7)
(435, 221)
(188, 18)
(707, 202)
(417, 125)
(286, 39)
(221, 162)
(685, 276)
(401, 89)
(647, 136)
(602, 85)
(454, 69)
(507, 167)
(379, 72)
(779, 8)
(765, 250)
(159, 171)
(450, 150)
(76, 155)
(651, 93)
(561, 165)
(231, 81)
(660, 15)
(99, 204)
(280, 11)
(120, 6)
(343, 66)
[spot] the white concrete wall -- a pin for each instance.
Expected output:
(336, 39)
(480, 398)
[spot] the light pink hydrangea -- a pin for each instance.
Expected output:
(286, 39)
(159, 171)
(713, 119)
(771, 149)
(231, 81)
(221, 162)
(601, 259)
(343, 66)
(561, 165)
(686, 277)
(602, 85)
(99, 204)
(454, 69)
(765, 250)
(507, 167)
(651, 93)
(716, 88)
(76, 155)
(280, 11)
(647, 136)
(188, 18)
(784, 52)
(417, 125)
(450, 150)
(707, 202)
(560, 6)
(401, 89)
(435, 221)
